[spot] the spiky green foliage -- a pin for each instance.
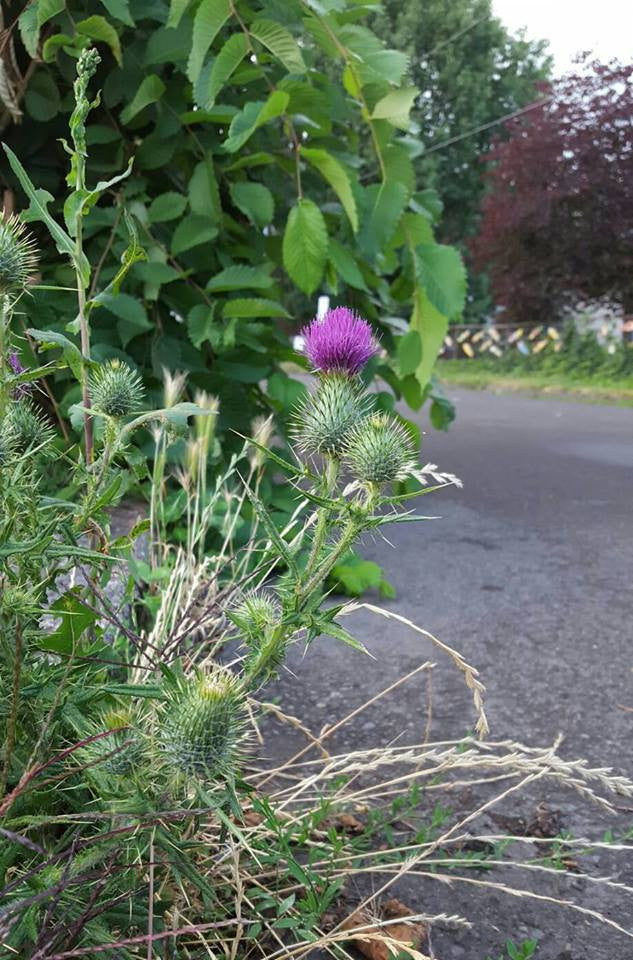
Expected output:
(378, 450)
(326, 416)
(25, 427)
(203, 730)
(255, 613)
(18, 257)
(116, 390)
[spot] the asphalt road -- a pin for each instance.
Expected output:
(528, 573)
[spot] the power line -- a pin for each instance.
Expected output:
(486, 126)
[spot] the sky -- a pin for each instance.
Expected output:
(606, 26)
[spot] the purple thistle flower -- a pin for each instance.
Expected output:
(341, 342)
(23, 389)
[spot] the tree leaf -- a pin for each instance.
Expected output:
(167, 206)
(131, 314)
(409, 352)
(210, 17)
(29, 28)
(254, 200)
(305, 245)
(201, 324)
(47, 9)
(253, 308)
(98, 29)
(191, 232)
(442, 273)
(384, 215)
(204, 195)
(346, 266)
(396, 107)
(176, 11)
(280, 42)
(150, 90)
(225, 64)
(120, 10)
(431, 326)
(240, 277)
(39, 203)
(336, 175)
(42, 98)
(254, 115)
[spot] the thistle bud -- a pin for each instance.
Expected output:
(255, 613)
(326, 416)
(379, 451)
(121, 751)
(24, 427)
(18, 258)
(203, 730)
(116, 390)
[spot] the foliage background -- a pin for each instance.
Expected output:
(251, 189)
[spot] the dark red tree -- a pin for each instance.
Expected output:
(557, 220)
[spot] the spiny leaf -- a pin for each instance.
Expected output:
(273, 534)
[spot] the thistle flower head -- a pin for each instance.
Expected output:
(378, 451)
(18, 256)
(115, 389)
(325, 417)
(254, 613)
(341, 342)
(203, 730)
(122, 750)
(24, 427)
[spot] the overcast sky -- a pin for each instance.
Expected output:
(605, 26)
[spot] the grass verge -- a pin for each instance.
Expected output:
(596, 389)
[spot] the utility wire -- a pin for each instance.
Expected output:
(486, 126)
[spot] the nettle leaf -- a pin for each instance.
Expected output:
(254, 200)
(150, 91)
(98, 29)
(443, 275)
(252, 308)
(396, 107)
(305, 245)
(191, 232)
(336, 175)
(255, 114)
(280, 42)
(120, 10)
(167, 206)
(240, 277)
(210, 17)
(225, 64)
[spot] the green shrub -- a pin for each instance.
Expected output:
(268, 157)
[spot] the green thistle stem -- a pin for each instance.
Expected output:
(13, 716)
(350, 533)
(332, 470)
(4, 324)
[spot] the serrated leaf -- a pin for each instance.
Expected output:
(42, 98)
(167, 45)
(201, 324)
(29, 29)
(131, 314)
(150, 91)
(191, 232)
(336, 175)
(409, 352)
(305, 245)
(431, 326)
(240, 277)
(51, 46)
(98, 29)
(167, 206)
(340, 633)
(253, 308)
(384, 216)
(282, 548)
(210, 17)
(441, 271)
(346, 266)
(280, 42)
(254, 200)
(428, 204)
(225, 64)
(255, 114)
(204, 195)
(396, 107)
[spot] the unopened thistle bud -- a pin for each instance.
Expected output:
(203, 730)
(116, 390)
(121, 751)
(326, 416)
(18, 257)
(255, 613)
(379, 451)
(24, 427)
